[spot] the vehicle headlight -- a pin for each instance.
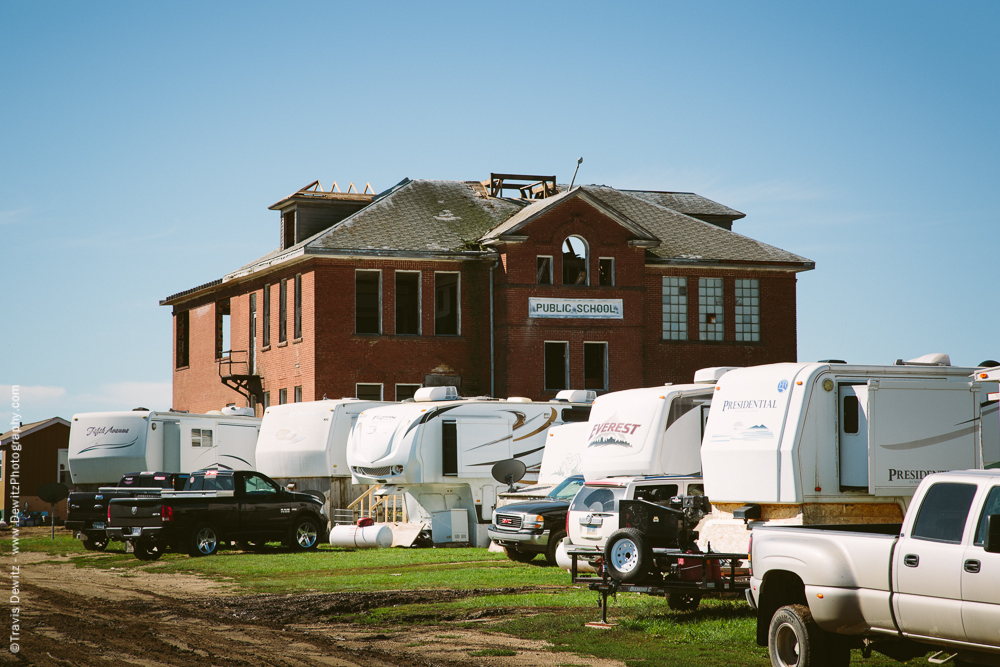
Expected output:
(533, 521)
(494, 517)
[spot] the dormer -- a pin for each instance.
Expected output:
(312, 209)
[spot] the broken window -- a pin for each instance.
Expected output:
(405, 391)
(710, 326)
(297, 332)
(675, 310)
(446, 304)
(556, 366)
(407, 303)
(606, 271)
(747, 310)
(595, 366)
(367, 302)
(183, 336)
(283, 310)
(368, 391)
(543, 270)
(574, 257)
(287, 229)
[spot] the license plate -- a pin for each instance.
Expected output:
(98, 525)
(591, 530)
(134, 532)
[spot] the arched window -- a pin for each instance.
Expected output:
(575, 261)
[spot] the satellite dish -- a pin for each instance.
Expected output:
(509, 472)
(53, 492)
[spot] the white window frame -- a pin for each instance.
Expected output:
(405, 384)
(420, 302)
(381, 389)
(458, 303)
(586, 259)
(380, 327)
(607, 371)
(613, 281)
(678, 309)
(705, 307)
(545, 365)
(552, 261)
(747, 306)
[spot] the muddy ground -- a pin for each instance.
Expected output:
(80, 616)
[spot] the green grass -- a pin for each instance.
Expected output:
(545, 607)
(492, 652)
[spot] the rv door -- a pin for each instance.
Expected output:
(919, 427)
(853, 430)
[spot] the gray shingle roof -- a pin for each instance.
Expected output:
(685, 202)
(418, 216)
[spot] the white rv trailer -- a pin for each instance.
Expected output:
(821, 443)
(438, 452)
(103, 446)
(650, 431)
(305, 444)
(562, 458)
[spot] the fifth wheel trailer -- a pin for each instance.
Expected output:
(104, 446)
(438, 452)
(837, 443)
(305, 444)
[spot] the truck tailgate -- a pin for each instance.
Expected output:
(129, 512)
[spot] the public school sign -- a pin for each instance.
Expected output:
(603, 309)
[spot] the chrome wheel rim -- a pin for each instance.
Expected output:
(624, 555)
(306, 535)
(786, 646)
(206, 541)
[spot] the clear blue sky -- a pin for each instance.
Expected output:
(141, 144)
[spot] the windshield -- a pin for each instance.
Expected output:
(566, 488)
(597, 498)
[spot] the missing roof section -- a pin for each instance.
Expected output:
(528, 186)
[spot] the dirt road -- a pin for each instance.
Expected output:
(83, 616)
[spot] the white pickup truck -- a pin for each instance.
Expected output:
(932, 583)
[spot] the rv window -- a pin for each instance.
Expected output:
(851, 416)
(597, 498)
(575, 414)
(943, 513)
(201, 437)
(991, 506)
(449, 448)
(680, 406)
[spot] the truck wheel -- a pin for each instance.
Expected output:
(303, 535)
(144, 551)
(519, 556)
(95, 542)
(794, 640)
(555, 539)
(627, 555)
(683, 600)
(204, 541)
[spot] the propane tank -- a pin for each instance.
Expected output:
(564, 562)
(364, 535)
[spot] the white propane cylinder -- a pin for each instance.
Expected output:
(564, 562)
(361, 537)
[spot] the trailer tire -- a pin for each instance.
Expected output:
(627, 556)
(203, 541)
(304, 534)
(554, 541)
(683, 600)
(795, 640)
(95, 543)
(519, 556)
(145, 551)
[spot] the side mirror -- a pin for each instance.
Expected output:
(992, 534)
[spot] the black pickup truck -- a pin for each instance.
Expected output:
(534, 527)
(88, 510)
(216, 507)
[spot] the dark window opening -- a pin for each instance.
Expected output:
(267, 400)
(183, 333)
(266, 329)
(368, 392)
(943, 512)
(449, 448)
(405, 391)
(575, 414)
(543, 270)
(367, 302)
(407, 304)
(595, 369)
(253, 336)
(852, 417)
(606, 271)
(222, 328)
(287, 229)
(282, 396)
(283, 310)
(574, 258)
(298, 394)
(446, 304)
(298, 306)
(556, 366)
